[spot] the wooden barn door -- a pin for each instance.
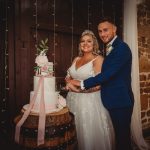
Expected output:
(62, 54)
(67, 19)
(60, 50)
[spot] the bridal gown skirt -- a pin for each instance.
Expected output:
(93, 124)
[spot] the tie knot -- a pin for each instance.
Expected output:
(108, 49)
(108, 46)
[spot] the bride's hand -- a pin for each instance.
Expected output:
(68, 79)
(71, 87)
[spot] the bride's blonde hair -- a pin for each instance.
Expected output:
(95, 42)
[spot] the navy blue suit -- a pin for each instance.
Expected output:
(116, 91)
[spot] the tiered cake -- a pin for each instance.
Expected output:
(52, 100)
(36, 125)
(44, 99)
(50, 96)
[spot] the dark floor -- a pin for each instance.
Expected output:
(6, 143)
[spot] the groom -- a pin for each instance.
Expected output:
(115, 81)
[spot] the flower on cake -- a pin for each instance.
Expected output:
(41, 60)
(43, 66)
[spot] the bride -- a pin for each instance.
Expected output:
(93, 124)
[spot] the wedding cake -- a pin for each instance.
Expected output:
(44, 71)
(44, 98)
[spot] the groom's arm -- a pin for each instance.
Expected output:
(117, 63)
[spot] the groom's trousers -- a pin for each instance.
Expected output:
(121, 119)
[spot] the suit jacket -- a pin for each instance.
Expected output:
(115, 77)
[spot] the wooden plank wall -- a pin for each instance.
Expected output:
(22, 29)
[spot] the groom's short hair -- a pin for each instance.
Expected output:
(107, 19)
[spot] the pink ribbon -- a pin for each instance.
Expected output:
(42, 114)
(42, 118)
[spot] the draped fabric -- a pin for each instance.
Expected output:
(130, 37)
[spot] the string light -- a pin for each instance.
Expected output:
(6, 50)
(89, 14)
(36, 23)
(6, 54)
(114, 13)
(54, 16)
(102, 8)
(72, 25)
(102, 15)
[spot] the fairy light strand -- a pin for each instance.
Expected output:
(36, 23)
(102, 8)
(72, 27)
(88, 14)
(114, 13)
(6, 88)
(102, 14)
(54, 15)
(6, 48)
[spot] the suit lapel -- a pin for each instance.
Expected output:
(114, 45)
(116, 42)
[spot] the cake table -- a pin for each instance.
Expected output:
(60, 131)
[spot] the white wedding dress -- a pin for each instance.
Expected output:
(93, 124)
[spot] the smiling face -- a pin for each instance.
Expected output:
(86, 43)
(106, 31)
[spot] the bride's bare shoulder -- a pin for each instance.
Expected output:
(98, 63)
(99, 58)
(75, 59)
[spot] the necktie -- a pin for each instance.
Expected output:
(108, 49)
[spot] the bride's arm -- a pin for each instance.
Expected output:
(73, 88)
(68, 77)
(97, 65)
(93, 89)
